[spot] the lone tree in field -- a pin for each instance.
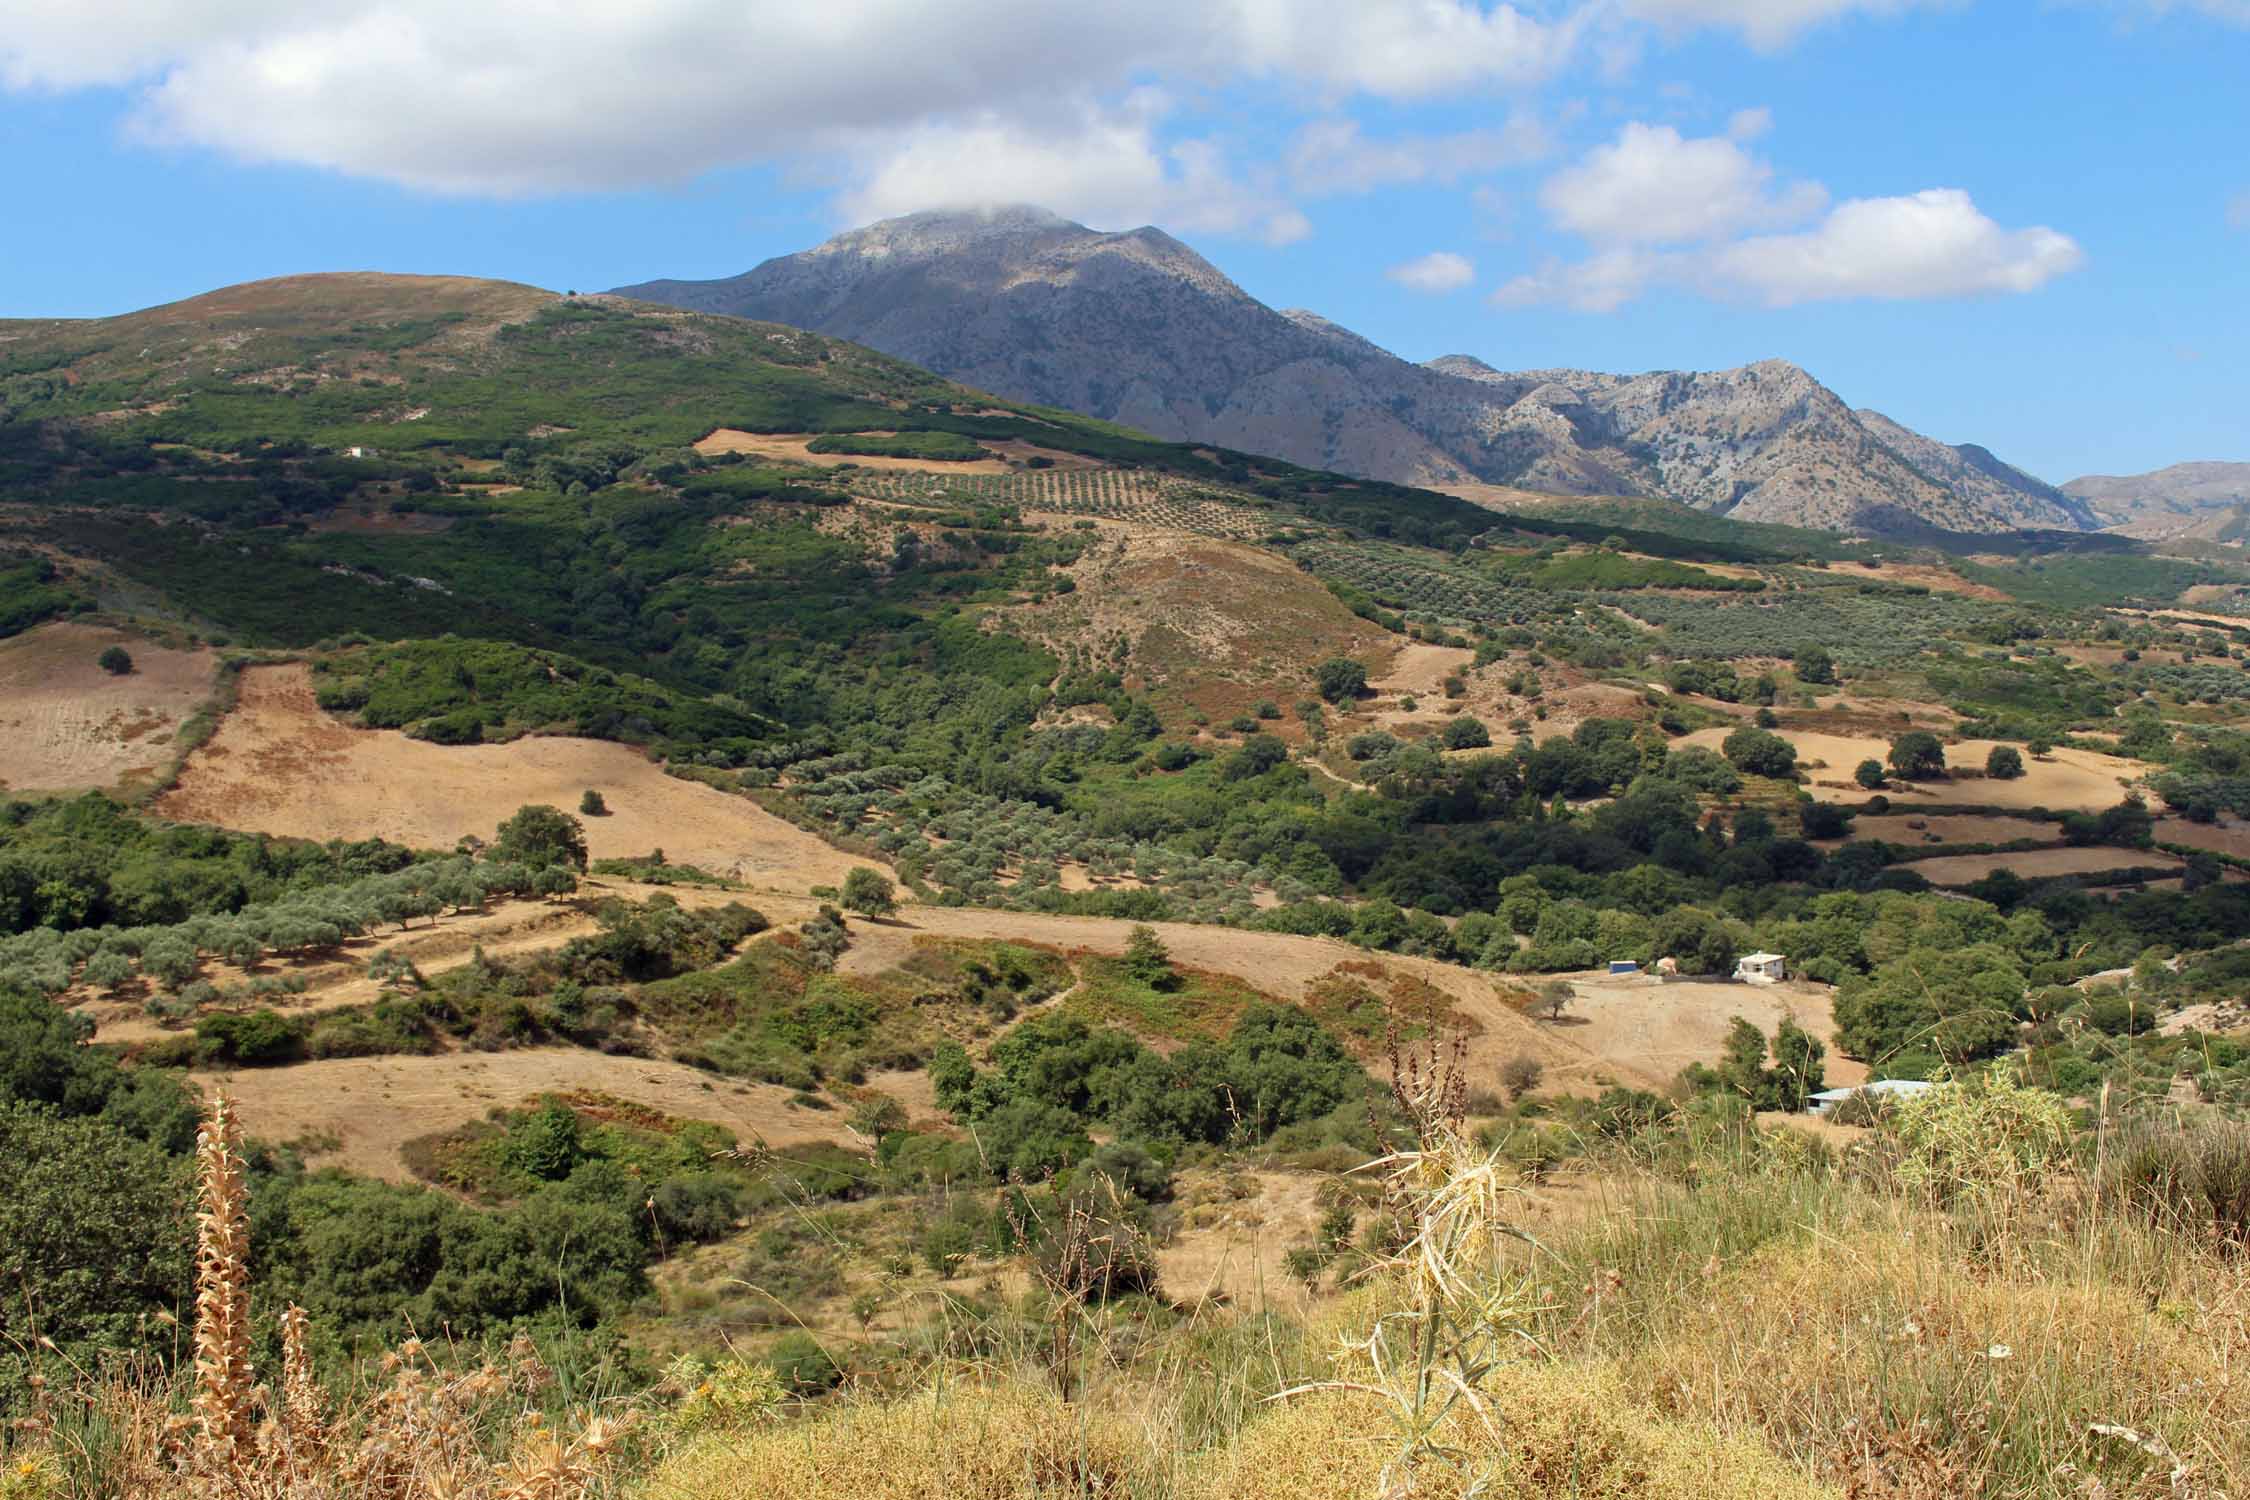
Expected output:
(1758, 752)
(1917, 755)
(1520, 1074)
(868, 892)
(541, 836)
(2005, 763)
(1554, 997)
(115, 660)
(1340, 679)
(1870, 774)
(1147, 961)
(592, 805)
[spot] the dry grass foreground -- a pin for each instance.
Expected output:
(278, 764)
(66, 725)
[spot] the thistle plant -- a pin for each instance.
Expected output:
(1464, 1312)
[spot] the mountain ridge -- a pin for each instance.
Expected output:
(1137, 328)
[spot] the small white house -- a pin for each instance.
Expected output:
(356, 451)
(1761, 968)
(1881, 1088)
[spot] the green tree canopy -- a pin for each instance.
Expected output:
(1340, 679)
(1917, 755)
(540, 836)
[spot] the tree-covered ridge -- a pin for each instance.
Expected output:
(457, 692)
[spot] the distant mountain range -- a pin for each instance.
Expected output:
(1138, 329)
(2202, 500)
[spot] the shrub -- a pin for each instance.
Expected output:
(1467, 733)
(1989, 1137)
(802, 1363)
(868, 892)
(2192, 1176)
(697, 1206)
(115, 660)
(2005, 763)
(1520, 1074)
(1340, 679)
(1870, 774)
(261, 1036)
(592, 806)
(546, 1143)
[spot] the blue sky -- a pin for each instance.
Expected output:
(2023, 225)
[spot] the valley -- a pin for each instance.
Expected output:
(693, 836)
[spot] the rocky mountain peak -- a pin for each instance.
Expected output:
(1137, 328)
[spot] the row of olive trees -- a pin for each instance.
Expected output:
(532, 857)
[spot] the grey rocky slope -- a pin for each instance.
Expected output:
(2180, 490)
(1138, 329)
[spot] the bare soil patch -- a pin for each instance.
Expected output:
(1212, 626)
(2230, 835)
(792, 446)
(374, 1105)
(1421, 669)
(1897, 828)
(280, 765)
(67, 725)
(1236, 1231)
(2067, 780)
(1653, 1029)
(1961, 869)
(1940, 580)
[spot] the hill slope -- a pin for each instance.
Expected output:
(1139, 329)
(2180, 490)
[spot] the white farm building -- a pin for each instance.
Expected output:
(1762, 968)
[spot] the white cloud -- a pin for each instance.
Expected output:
(531, 96)
(1931, 244)
(1652, 186)
(1749, 124)
(1934, 243)
(1331, 156)
(2236, 12)
(1106, 167)
(1438, 272)
(1601, 283)
(1766, 24)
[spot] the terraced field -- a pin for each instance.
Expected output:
(1110, 494)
